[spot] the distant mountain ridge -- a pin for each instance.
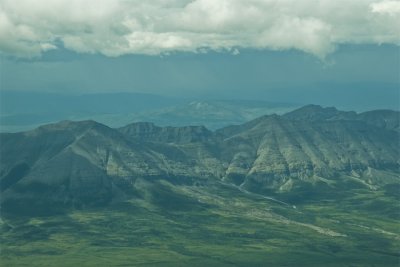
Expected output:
(86, 163)
(21, 111)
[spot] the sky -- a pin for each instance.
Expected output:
(325, 51)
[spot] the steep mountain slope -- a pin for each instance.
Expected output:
(276, 153)
(387, 119)
(86, 163)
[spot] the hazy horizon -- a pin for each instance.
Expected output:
(276, 76)
(343, 54)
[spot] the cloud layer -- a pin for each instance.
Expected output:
(118, 27)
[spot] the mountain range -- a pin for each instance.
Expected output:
(311, 152)
(309, 187)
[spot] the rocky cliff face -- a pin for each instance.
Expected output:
(87, 163)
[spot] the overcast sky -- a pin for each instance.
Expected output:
(252, 48)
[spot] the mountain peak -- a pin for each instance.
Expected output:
(317, 112)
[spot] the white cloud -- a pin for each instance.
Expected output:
(386, 7)
(118, 27)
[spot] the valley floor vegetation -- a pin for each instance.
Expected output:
(213, 224)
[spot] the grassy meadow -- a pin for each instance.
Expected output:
(208, 225)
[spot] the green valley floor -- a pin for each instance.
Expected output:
(210, 225)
